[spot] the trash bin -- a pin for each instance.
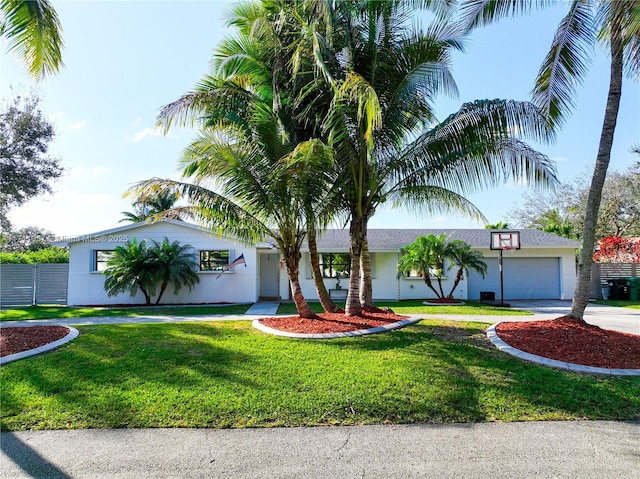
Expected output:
(487, 296)
(634, 288)
(619, 288)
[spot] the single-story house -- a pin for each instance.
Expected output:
(544, 267)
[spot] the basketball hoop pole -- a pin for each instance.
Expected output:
(501, 279)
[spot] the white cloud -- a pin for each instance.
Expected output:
(54, 117)
(79, 125)
(560, 159)
(82, 171)
(142, 134)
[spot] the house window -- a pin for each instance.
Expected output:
(332, 264)
(100, 258)
(214, 260)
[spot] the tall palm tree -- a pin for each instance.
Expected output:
(616, 24)
(146, 208)
(253, 76)
(33, 31)
(382, 125)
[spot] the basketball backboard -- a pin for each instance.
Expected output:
(505, 240)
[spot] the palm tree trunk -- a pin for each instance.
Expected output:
(147, 296)
(293, 271)
(353, 307)
(455, 283)
(366, 292)
(162, 288)
(323, 295)
(581, 294)
(427, 280)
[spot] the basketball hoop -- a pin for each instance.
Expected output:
(502, 241)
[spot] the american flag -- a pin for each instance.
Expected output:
(235, 262)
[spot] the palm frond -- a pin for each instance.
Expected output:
(33, 31)
(566, 64)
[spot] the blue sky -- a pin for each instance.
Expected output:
(126, 59)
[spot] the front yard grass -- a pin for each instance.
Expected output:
(620, 303)
(48, 312)
(224, 374)
(415, 306)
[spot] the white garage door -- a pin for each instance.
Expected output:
(524, 278)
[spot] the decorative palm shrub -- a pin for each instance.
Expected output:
(147, 267)
(428, 255)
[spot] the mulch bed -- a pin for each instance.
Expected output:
(17, 339)
(332, 322)
(565, 339)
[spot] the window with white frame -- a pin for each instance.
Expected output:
(214, 260)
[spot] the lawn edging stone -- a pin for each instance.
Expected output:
(73, 334)
(346, 334)
(492, 335)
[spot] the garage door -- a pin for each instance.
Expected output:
(524, 278)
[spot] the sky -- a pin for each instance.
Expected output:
(124, 60)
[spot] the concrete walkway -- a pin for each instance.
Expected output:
(576, 449)
(607, 317)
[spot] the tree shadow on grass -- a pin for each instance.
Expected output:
(487, 384)
(162, 370)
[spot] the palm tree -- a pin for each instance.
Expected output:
(461, 256)
(426, 256)
(249, 109)
(616, 24)
(174, 263)
(131, 268)
(387, 77)
(146, 208)
(500, 225)
(33, 31)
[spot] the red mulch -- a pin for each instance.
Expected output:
(333, 322)
(565, 339)
(17, 339)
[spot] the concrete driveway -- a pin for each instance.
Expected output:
(607, 317)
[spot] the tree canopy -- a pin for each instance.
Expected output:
(26, 168)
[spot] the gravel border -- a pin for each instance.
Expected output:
(492, 335)
(73, 334)
(347, 334)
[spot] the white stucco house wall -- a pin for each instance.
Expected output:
(544, 267)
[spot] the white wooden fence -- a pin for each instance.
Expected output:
(31, 284)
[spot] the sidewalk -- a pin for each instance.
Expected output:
(576, 449)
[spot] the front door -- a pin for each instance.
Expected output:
(270, 276)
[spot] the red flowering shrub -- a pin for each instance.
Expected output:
(616, 249)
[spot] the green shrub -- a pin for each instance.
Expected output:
(45, 255)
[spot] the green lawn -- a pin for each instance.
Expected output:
(620, 303)
(415, 306)
(229, 375)
(46, 312)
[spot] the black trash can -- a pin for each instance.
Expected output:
(619, 288)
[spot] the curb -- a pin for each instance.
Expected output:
(347, 334)
(492, 335)
(73, 334)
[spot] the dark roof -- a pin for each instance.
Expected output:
(394, 239)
